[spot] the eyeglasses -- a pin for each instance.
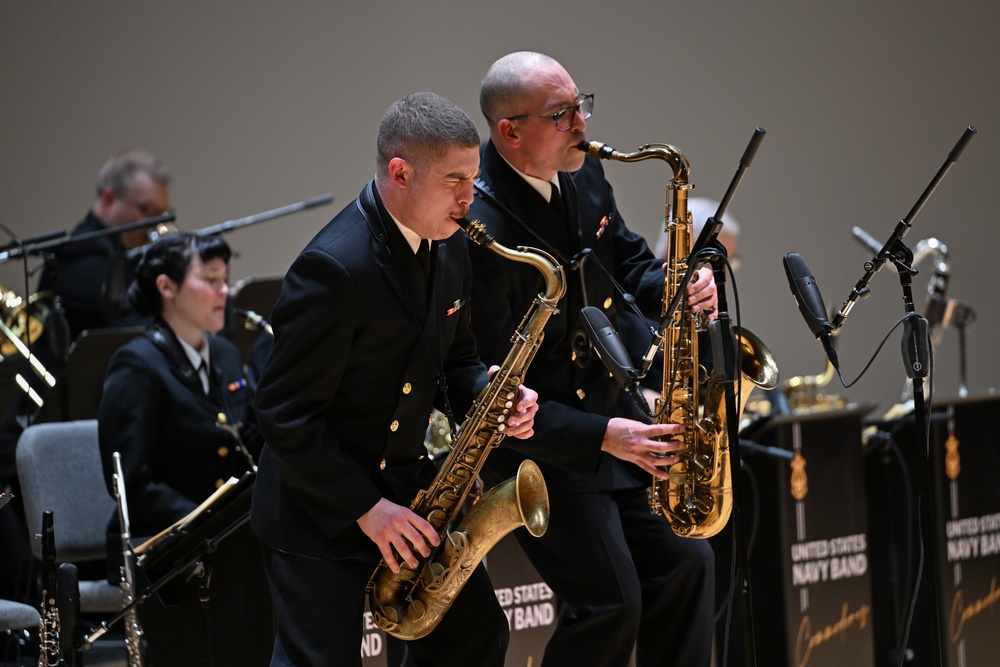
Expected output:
(148, 209)
(564, 117)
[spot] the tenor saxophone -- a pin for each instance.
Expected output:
(697, 498)
(410, 604)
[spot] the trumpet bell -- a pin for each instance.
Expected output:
(24, 318)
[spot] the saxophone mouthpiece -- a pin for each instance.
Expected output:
(476, 231)
(597, 149)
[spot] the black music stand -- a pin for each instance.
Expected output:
(809, 541)
(78, 394)
(204, 583)
(964, 499)
(190, 539)
(250, 294)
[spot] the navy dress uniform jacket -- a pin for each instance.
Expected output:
(347, 390)
(155, 412)
(576, 395)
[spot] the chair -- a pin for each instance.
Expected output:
(15, 620)
(59, 467)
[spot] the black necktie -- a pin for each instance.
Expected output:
(203, 378)
(424, 256)
(557, 203)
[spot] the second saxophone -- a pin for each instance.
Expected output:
(697, 498)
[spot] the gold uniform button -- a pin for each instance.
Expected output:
(223, 452)
(581, 394)
(219, 483)
(607, 303)
(381, 464)
(407, 388)
(394, 426)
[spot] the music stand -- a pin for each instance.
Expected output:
(812, 499)
(179, 547)
(250, 294)
(86, 366)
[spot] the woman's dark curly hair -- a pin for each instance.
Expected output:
(171, 256)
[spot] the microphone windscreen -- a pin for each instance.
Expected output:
(608, 344)
(806, 293)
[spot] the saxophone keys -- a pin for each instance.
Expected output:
(433, 574)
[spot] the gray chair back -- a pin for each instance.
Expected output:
(59, 467)
(18, 616)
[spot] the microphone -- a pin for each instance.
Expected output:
(611, 351)
(578, 260)
(810, 302)
(253, 321)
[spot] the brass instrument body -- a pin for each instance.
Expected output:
(24, 318)
(410, 604)
(697, 498)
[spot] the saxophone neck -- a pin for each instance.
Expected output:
(551, 270)
(678, 163)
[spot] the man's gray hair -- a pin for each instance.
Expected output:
(422, 126)
(120, 169)
(503, 90)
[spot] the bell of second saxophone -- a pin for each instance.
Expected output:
(410, 604)
(697, 498)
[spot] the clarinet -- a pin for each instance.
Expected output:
(133, 631)
(48, 628)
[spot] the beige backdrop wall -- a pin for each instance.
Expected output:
(257, 104)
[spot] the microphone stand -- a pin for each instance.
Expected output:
(230, 225)
(727, 371)
(915, 348)
(962, 317)
(42, 243)
(61, 239)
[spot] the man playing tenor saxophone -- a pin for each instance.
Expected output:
(626, 579)
(372, 332)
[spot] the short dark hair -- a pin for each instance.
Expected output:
(171, 256)
(422, 126)
(120, 169)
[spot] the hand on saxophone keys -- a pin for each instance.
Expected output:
(703, 295)
(397, 530)
(635, 442)
(521, 420)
